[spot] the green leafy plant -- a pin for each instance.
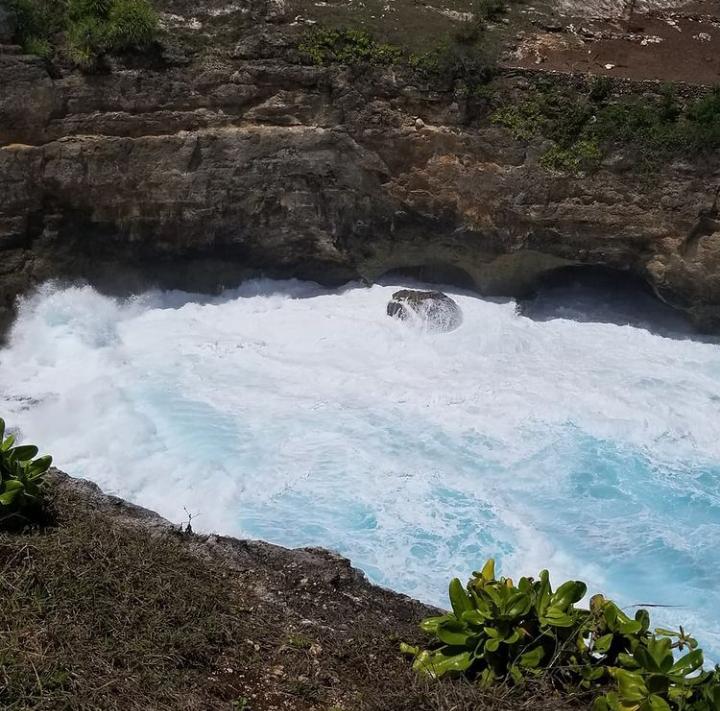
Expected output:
(21, 475)
(582, 156)
(328, 46)
(501, 632)
(86, 41)
(584, 126)
(445, 60)
(131, 23)
(84, 30)
(38, 46)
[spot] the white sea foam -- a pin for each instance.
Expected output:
(308, 417)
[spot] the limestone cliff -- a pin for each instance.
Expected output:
(224, 155)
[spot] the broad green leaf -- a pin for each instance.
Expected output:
(630, 686)
(12, 490)
(40, 466)
(532, 658)
(556, 618)
(492, 645)
(643, 617)
(518, 605)
(7, 443)
(453, 633)
(513, 637)
(25, 452)
(494, 593)
(602, 644)
(487, 678)
(689, 663)
(474, 617)
(488, 571)
(661, 653)
(666, 633)
(628, 661)
(630, 628)
(524, 585)
(645, 659)
(2, 429)
(459, 599)
(438, 664)
(568, 593)
(516, 674)
(543, 594)
(657, 703)
(430, 624)
(601, 704)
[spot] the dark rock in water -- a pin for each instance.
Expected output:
(436, 310)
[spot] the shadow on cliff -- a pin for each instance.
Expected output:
(599, 295)
(585, 294)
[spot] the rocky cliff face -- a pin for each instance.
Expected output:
(223, 156)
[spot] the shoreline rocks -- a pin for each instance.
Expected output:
(433, 309)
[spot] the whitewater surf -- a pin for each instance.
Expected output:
(306, 416)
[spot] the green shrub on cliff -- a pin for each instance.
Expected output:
(131, 23)
(21, 477)
(341, 46)
(37, 22)
(499, 632)
(446, 60)
(100, 26)
(84, 30)
(584, 125)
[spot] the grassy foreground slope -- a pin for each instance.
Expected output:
(113, 608)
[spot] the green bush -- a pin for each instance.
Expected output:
(86, 41)
(584, 126)
(83, 9)
(327, 46)
(450, 61)
(500, 632)
(21, 476)
(131, 23)
(445, 60)
(84, 29)
(584, 156)
(38, 46)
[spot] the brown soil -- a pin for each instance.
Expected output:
(116, 609)
(681, 46)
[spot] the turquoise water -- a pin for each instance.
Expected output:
(307, 417)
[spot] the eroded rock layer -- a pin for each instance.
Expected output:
(197, 168)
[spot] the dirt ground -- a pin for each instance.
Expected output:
(665, 40)
(675, 45)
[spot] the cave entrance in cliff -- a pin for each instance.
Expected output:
(436, 273)
(588, 293)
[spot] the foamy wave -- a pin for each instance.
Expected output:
(308, 417)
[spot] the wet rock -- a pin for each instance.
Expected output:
(435, 310)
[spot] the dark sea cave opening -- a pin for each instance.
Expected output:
(437, 273)
(588, 293)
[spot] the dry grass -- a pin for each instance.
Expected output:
(103, 613)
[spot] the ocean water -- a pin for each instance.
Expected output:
(303, 416)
